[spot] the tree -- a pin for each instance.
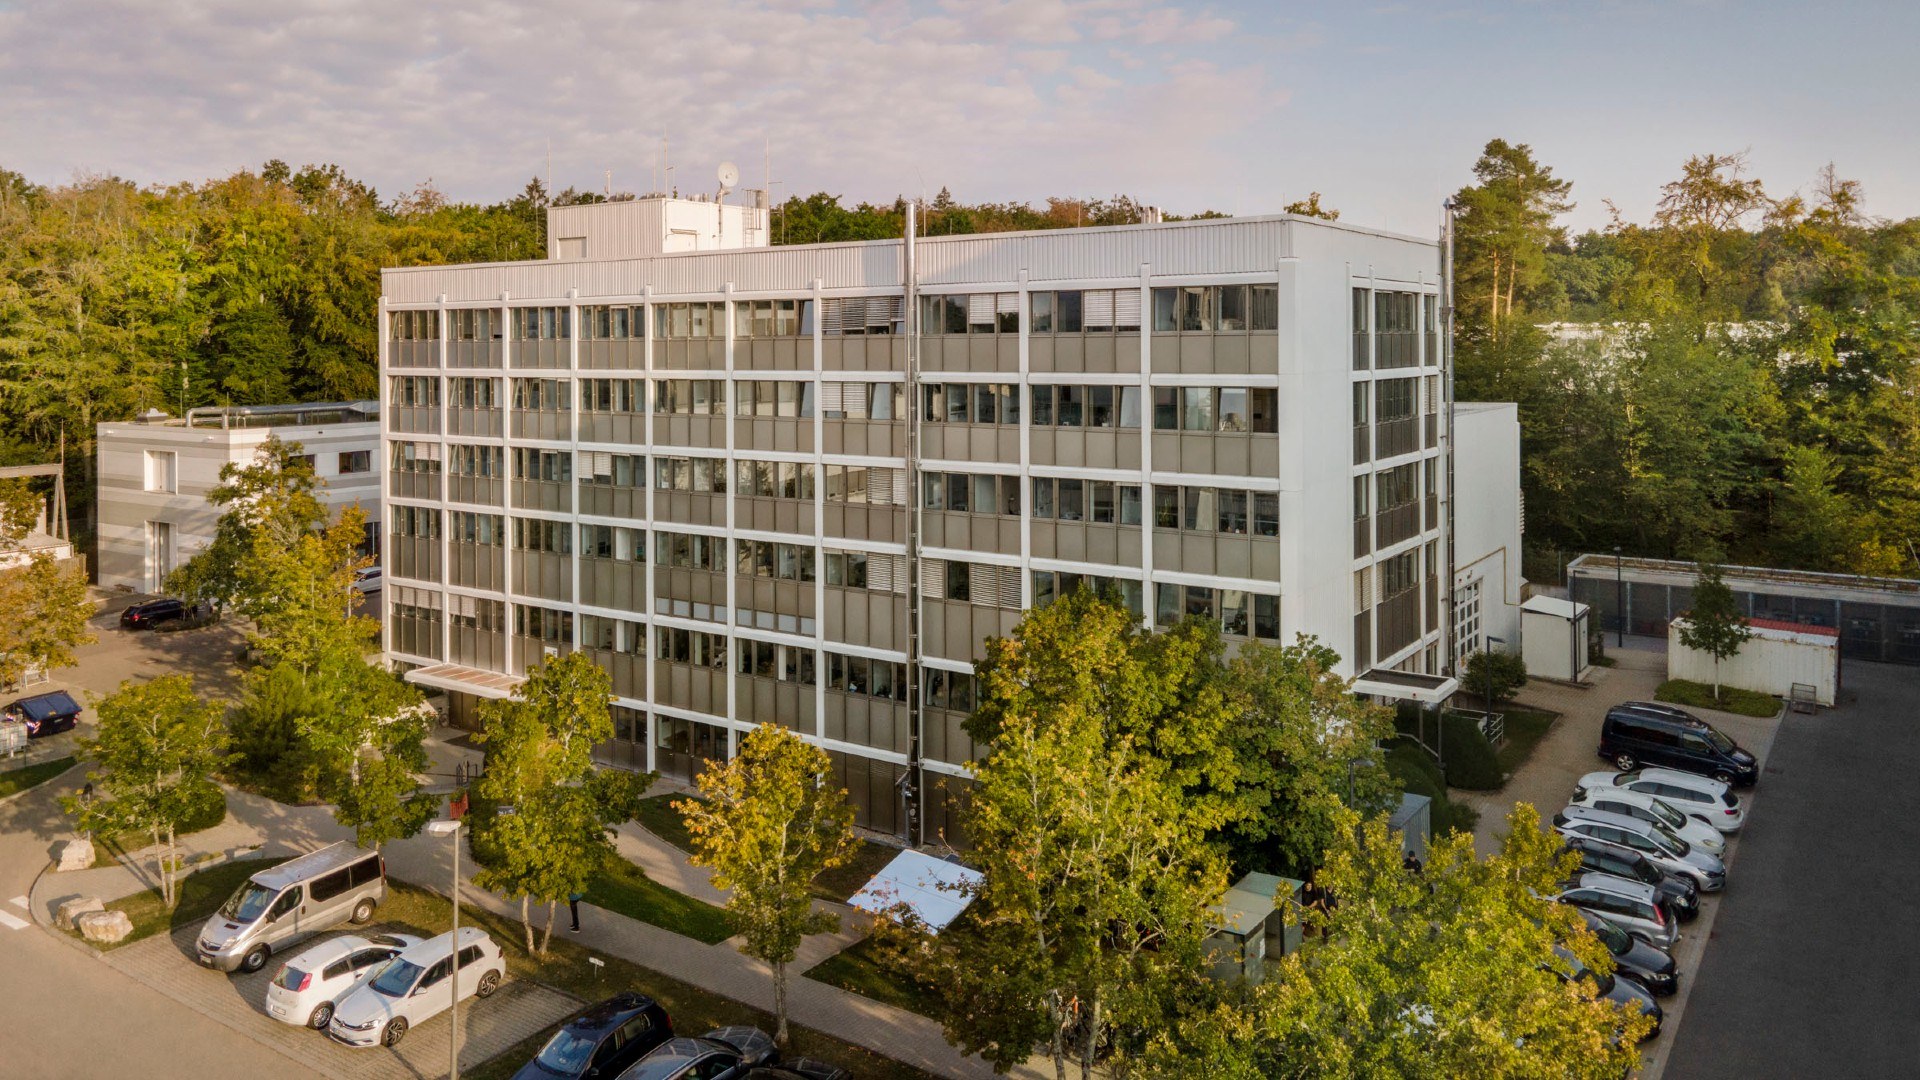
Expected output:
(1815, 527)
(1505, 224)
(1091, 839)
(1444, 971)
(1310, 207)
(1715, 625)
(543, 815)
(1494, 676)
(272, 503)
(1307, 747)
(768, 823)
(153, 763)
(47, 608)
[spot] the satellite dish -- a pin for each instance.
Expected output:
(729, 176)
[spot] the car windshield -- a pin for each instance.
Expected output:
(1718, 741)
(1614, 938)
(289, 978)
(396, 978)
(1669, 817)
(248, 902)
(566, 1052)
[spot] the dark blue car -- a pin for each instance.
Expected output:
(602, 1041)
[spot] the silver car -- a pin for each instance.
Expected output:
(1696, 796)
(1634, 907)
(1662, 848)
(288, 903)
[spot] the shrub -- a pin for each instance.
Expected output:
(1419, 774)
(1471, 761)
(1505, 672)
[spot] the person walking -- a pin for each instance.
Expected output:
(573, 907)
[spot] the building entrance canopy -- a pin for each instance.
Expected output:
(1406, 686)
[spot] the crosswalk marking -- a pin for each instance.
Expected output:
(12, 921)
(22, 903)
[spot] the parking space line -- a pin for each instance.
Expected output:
(22, 903)
(12, 921)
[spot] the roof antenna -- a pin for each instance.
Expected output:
(608, 190)
(549, 171)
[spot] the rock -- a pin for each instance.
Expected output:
(69, 910)
(74, 855)
(105, 927)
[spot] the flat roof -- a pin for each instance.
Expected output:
(934, 890)
(1406, 685)
(1675, 571)
(465, 680)
(1542, 604)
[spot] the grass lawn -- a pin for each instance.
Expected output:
(19, 780)
(867, 970)
(662, 820)
(1700, 696)
(1525, 728)
(625, 888)
(694, 1011)
(200, 894)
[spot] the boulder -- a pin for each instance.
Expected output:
(69, 910)
(104, 927)
(74, 855)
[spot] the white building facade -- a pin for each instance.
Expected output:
(1488, 583)
(802, 485)
(154, 476)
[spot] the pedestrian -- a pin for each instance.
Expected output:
(1411, 862)
(573, 906)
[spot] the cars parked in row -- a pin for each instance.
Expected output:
(1660, 847)
(729, 1053)
(147, 614)
(1652, 809)
(1620, 991)
(285, 904)
(1650, 967)
(1635, 907)
(307, 987)
(1597, 856)
(602, 1041)
(1646, 732)
(1698, 797)
(416, 985)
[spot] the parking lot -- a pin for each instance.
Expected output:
(1570, 751)
(515, 1012)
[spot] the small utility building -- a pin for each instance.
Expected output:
(1553, 636)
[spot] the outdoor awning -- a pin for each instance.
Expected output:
(932, 889)
(1406, 686)
(465, 680)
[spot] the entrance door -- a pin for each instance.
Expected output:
(159, 554)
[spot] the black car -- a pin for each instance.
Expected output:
(148, 614)
(727, 1054)
(1650, 967)
(1618, 989)
(602, 1041)
(1647, 732)
(1597, 856)
(45, 714)
(799, 1069)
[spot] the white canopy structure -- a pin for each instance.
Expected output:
(934, 890)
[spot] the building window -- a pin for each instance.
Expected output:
(767, 559)
(613, 470)
(548, 537)
(416, 521)
(356, 461)
(468, 393)
(542, 395)
(689, 551)
(768, 397)
(885, 679)
(976, 313)
(1235, 612)
(786, 663)
(541, 323)
(699, 319)
(485, 530)
(971, 493)
(613, 635)
(414, 325)
(1223, 409)
(1088, 311)
(705, 475)
(613, 395)
(475, 324)
(407, 457)
(475, 461)
(775, 479)
(1099, 501)
(613, 542)
(163, 471)
(1220, 309)
(696, 647)
(865, 485)
(1049, 585)
(847, 315)
(862, 400)
(772, 318)
(418, 391)
(602, 322)
(1087, 406)
(551, 466)
(690, 397)
(970, 403)
(1216, 510)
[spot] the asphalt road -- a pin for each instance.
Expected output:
(1812, 970)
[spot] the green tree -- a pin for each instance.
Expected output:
(47, 608)
(1715, 624)
(1494, 676)
(1815, 527)
(1310, 207)
(1505, 223)
(152, 765)
(543, 815)
(768, 823)
(1308, 748)
(274, 500)
(1446, 971)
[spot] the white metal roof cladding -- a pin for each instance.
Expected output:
(1221, 246)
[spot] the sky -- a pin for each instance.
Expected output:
(1239, 107)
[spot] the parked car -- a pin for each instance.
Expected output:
(1651, 808)
(602, 1041)
(1646, 732)
(1599, 857)
(1696, 796)
(1651, 967)
(416, 986)
(367, 579)
(726, 1054)
(1618, 989)
(1662, 848)
(306, 987)
(290, 902)
(45, 714)
(148, 614)
(1635, 907)
(800, 1069)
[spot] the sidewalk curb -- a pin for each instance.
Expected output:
(77, 764)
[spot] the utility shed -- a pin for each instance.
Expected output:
(1777, 657)
(1246, 925)
(1553, 638)
(933, 890)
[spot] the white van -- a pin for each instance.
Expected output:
(416, 986)
(285, 904)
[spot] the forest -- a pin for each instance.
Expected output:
(1737, 378)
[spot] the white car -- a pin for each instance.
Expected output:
(367, 579)
(1648, 808)
(305, 990)
(1696, 796)
(416, 986)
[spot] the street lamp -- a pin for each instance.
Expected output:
(1619, 601)
(451, 827)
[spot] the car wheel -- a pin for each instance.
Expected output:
(1624, 762)
(1723, 776)
(255, 960)
(322, 1013)
(488, 984)
(363, 911)
(396, 1030)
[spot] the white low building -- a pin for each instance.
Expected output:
(155, 473)
(1487, 583)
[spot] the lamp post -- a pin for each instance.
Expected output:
(1488, 673)
(451, 827)
(1619, 601)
